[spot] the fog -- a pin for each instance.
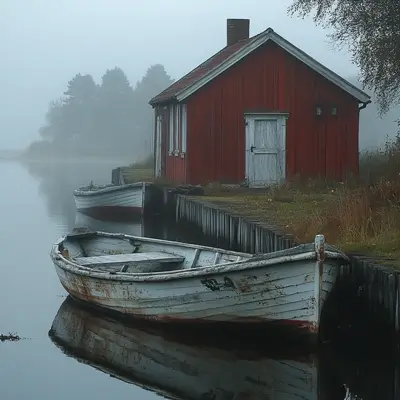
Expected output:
(45, 43)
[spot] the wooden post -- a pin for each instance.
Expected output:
(319, 243)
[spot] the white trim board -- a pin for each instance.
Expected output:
(262, 38)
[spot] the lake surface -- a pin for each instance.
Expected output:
(70, 353)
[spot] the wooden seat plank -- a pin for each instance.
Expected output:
(131, 257)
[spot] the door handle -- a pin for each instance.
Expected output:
(252, 148)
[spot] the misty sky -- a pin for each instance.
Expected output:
(44, 43)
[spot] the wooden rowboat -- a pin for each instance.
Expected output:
(178, 282)
(113, 200)
(174, 367)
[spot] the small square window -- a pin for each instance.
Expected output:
(318, 110)
(334, 110)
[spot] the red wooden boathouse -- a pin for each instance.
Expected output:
(259, 111)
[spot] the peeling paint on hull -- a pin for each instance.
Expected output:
(284, 293)
(290, 304)
(286, 333)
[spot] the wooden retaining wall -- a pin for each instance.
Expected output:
(241, 233)
(375, 293)
(368, 296)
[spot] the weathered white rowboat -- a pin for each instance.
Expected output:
(129, 199)
(173, 367)
(178, 282)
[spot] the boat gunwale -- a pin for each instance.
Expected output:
(83, 191)
(252, 262)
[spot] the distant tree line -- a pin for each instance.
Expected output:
(112, 119)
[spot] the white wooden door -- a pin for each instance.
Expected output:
(265, 149)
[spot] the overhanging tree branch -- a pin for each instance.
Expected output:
(371, 30)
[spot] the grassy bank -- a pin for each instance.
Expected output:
(139, 171)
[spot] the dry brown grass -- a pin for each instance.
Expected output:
(133, 174)
(368, 219)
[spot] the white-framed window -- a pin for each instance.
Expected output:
(184, 128)
(171, 129)
(177, 127)
(158, 145)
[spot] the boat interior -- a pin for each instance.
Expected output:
(140, 255)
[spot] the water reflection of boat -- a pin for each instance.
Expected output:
(162, 363)
(131, 228)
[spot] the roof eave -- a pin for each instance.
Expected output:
(154, 101)
(269, 34)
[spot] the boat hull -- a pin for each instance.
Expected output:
(286, 298)
(112, 201)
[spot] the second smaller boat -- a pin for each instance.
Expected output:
(113, 200)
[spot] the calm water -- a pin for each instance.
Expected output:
(64, 342)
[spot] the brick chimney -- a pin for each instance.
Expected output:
(236, 30)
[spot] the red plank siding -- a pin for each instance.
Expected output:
(175, 171)
(269, 79)
(163, 112)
